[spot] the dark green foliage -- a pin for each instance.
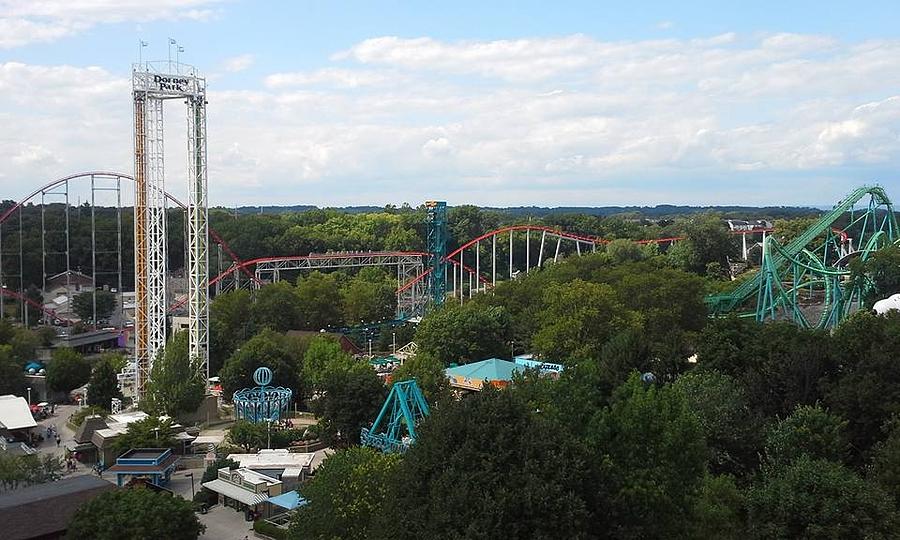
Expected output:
(83, 305)
(67, 370)
(488, 467)
(866, 390)
(369, 297)
(350, 493)
(463, 334)
(267, 349)
(276, 307)
(883, 268)
(176, 385)
(320, 300)
(230, 325)
(138, 514)
(12, 372)
(885, 465)
(255, 436)
(352, 395)
(650, 455)
(810, 431)
(707, 241)
(733, 432)
(819, 499)
(103, 384)
(206, 496)
(779, 364)
(718, 510)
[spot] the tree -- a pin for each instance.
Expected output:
(176, 385)
(811, 431)
(578, 319)
(650, 455)
(732, 430)
(718, 510)
(463, 334)
(12, 376)
(24, 343)
(266, 349)
(320, 300)
(140, 514)
(28, 470)
(488, 466)
(67, 371)
(205, 495)
(706, 240)
(276, 307)
(623, 250)
(350, 493)
(884, 468)
(368, 301)
(151, 432)
(83, 305)
(352, 394)
(103, 385)
(819, 499)
(323, 351)
(429, 375)
(230, 325)
(883, 268)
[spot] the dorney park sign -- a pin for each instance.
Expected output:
(174, 84)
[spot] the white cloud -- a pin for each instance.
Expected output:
(665, 25)
(239, 63)
(35, 21)
(568, 120)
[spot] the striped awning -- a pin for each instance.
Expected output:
(234, 492)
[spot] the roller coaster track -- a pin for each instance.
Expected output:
(811, 267)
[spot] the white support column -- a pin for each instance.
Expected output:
(477, 263)
(744, 246)
(494, 261)
(527, 250)
(541, 252)
(578, 247)
(558, 242)
(461, 276)
(510, 254)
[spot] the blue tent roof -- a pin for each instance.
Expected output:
(492, 369)
(289, 500)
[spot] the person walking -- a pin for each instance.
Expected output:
(58, 439)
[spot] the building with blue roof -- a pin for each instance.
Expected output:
(474, 376)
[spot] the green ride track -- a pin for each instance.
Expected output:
(808, 280)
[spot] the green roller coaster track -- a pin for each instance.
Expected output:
(808, 280)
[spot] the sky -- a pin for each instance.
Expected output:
(497, 103)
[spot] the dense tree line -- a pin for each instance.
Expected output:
(664, 424)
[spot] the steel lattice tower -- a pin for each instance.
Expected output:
(153, 84)
(436, 220)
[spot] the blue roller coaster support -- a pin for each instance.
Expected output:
(436, 220)
(404, 406)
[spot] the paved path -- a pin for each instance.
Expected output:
(224, 523)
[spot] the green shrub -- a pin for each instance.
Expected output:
(264, 527)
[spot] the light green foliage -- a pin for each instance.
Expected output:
(428, 373)
(650, 453)
(463, 334)
(254, 436)
(21, 471)
(138, 514)
(323, 351)
(151, 432)
(369, 298)
(116, 360)
(67, 370)
(103, 384)
(883, 268)
(176, 385)
(349, 492)
(819, 499)
(578, 318)
(809, 430)
(623, 250)
(83, 305)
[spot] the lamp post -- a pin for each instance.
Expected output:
(192, 483)
(29, 396)
(394, 342)
(269, 433)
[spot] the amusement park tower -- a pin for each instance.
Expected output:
(153, 84)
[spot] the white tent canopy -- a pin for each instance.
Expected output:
(15, 413)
